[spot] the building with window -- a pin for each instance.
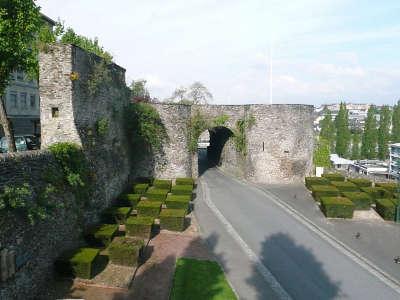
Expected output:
(394, 160)
(21, 99)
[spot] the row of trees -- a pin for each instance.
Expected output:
(371, 142)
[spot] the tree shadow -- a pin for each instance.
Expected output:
(295, 267)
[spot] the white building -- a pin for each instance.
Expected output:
(394, 160)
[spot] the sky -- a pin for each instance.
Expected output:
(323, 51)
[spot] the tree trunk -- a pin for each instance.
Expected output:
(7, 126)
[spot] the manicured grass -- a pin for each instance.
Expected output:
(200, 280)
(184, 181)
(164, 184)
(178, 201)
(182, 190)
(155, 194)
(149, 208)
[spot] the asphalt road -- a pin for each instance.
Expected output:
(267, 253)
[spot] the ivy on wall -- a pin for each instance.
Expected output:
(102, 126)
(240, 133)
(99, 76)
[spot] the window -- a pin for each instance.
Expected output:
(13, 100)
(54, 112)
(23, 100)
(33, 101)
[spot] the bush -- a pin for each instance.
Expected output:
(377, 193)
(125, 251)
(319, 191)
(154, 194)
(163, 184)
(386, 209)
(139, 226)
(182, 190)
(337, 207)
(360, 182)
(362, 201)
(172, 219)
(310, 181)
(79, 263)
(117, 214)
(184, 181)
(178, 201)
(102, 234)
(389, 186)
(345, 186)
(140, 188)
(333, 176)
(130, 200)
(149, 208)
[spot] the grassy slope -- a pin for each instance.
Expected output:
(200, 280)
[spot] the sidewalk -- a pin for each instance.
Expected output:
(379, 240)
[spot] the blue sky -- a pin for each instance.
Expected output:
(322, 50)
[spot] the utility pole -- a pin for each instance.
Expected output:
(270, 72)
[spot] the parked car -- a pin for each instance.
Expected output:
(22, 143)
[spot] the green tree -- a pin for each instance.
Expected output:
(383, 132)
(355, 147)
(343, 134)
(328, 128)
(370, 135)
(19, 24)
(321, 153)
(139, 89)
(396, 123)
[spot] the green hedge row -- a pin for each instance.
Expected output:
(129, 200)
(310, 181)
(337, 207)
(178, 201)
(116, 214)
(360, 182)
(140, 188)
(386, 209)
(361, 200)
(345, 186)
(182, 190)
(319, 191)
(333, 176)
(78, 262)
(101, 234)
(155, 194)
(389, 186)
(125, 251)
(164, 184)
(139, 226)
(149, 208)
(377, 192)
(172, 219)
(184, 181)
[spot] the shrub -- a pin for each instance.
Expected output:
(163, 184)
(360, 182)
(125, 251)
(117, 214)
(362, 201)
(130, 199)
(386, 209)
(79, 263)
(345, 186)
(184, 181)
(376, 193)
(139, 226)
(319, 191)
(140, 188)
(310, 181)
(103, 234)
(172, 219)
(337, 207)
(389, 186)
(149, 208)
(154, 194)
(333, 176)
(178, 201)
(182, 190)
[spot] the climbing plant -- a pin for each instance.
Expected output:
(99, 76)
(102, 126)
(240, 133)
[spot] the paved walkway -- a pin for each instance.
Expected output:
(269, 253)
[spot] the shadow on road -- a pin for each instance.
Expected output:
(297, 270)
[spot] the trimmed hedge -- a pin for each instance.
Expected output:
(178, 201)
(377, 193)
(154, 194)
(149, 208)
(310, 181)
(140, 188)
(130, 199)
(319, 191)
(184, 181)
(117, 214)
(345, 186)
(334, 176)
(360, 182)
(172, 219)
(139, 226)
(386, 209)
(182, 190)
(125, 251)
(103, 234)
(337, 207)
(79, 262)
(163, 184)
(392, 187)
(361, 200)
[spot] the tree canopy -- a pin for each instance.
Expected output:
(196, 93)
(384, 133)
(328, 128)
(343, 134)
(370, 135)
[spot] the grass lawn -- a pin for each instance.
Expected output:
(200, 280)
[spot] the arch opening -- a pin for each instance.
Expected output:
(210, 146)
